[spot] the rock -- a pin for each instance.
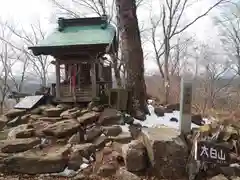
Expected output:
(166, 150)
(85, 150)
(159, 111)
(98, 108)
(235, 178)
(128, 119)
(76, 138)
(52, 160)
(92, 133)
(3, 122)
(219, 177)
(100, 142)
(123, 174)
(109, 117)
(36, 111)
(140, 115)
(173, 119)
(173, 107)
(80, 177)
(53, 112)
(51, 119)
(39, 126)
(106, 170)
(15, 112)
(88, 118)
(75, 160)
(63, 106)
(35, 116)
(62, 129)
(135, 130)
(135, 156)
(12, 134)
(15, 122)
(18, 145)
(124, 137)
(27, 133)
(197, 119)
(111, 130)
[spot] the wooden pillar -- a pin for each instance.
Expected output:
(93, 80)
(57, 79)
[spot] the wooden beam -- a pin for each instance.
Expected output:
(57, 79)
(93, 80)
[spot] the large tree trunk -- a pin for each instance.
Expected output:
(130, 35)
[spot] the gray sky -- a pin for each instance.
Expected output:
(27, 11)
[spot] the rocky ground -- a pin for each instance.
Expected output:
(64, 142)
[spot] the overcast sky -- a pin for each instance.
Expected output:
(27, 11)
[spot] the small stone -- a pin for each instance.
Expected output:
(52, 112)
(85, 150)
(140, 115)
(92, 133)
(159, 111)
(197, 119)
(88, 118)
(124, 137)
(128, 119)
(174, 119)
(111, 130)
(107, 170)
(100, 142)
(109, 117)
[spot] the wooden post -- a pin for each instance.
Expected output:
(57, 79)
(185, 106)
(93, 80)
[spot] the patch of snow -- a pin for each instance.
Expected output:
(84, 166)
(66, 173)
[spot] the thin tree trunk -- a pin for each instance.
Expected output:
(134, 60)
(166, 70)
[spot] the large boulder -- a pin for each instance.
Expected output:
(111, 130)
(88, 118)
(62, 129)
(19, 120)
(110, 117)
(15, 112)
(53, 112)
(27, 133)
(50, 119)
(135, 156)
(39, 126)
(77, 138)
(167, 151)
(18, 145)
(52, 160)
(173, 107)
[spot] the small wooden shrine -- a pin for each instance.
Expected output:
(79, 46)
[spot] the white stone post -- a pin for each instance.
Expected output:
(185, 106)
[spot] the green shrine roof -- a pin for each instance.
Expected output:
(77, 32)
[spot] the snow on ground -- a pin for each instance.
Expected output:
(154, 121)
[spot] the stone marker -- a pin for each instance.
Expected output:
(185, 106)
